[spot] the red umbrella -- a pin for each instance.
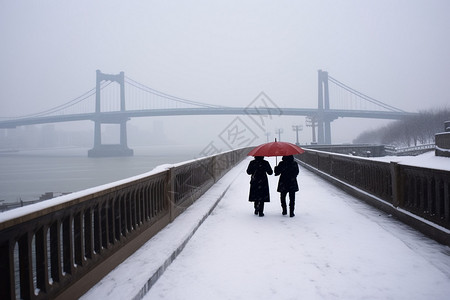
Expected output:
(276, 149)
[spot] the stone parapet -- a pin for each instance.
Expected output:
(443, 141)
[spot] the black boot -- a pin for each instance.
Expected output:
(256, 207)
(283, 205)
(261, 208)
(291, 210)
(291, 204)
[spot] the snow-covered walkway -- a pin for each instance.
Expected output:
(336, 247)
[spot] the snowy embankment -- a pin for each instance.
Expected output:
(426, 160)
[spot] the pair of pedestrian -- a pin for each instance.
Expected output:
(259, 184)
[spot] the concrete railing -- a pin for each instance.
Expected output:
(62, 247)
(417, 196)
(414, 150)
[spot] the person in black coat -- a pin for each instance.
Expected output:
(259, 184)
(288, 171)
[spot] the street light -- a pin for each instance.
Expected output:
(279, 132)
(297, 128)
(311, 121)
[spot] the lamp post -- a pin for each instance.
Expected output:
(311, 121)
(279, 132)
(297, 128)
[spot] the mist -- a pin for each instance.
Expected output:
(225, 53)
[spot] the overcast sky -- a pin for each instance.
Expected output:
(227, 52)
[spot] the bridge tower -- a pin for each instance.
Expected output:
(323, 119)
(105, 150)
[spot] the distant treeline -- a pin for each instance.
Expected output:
(411, 131)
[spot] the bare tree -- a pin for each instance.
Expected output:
(413, 130)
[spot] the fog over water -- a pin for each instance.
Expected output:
(29, 174)
(226, 53)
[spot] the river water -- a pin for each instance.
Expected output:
(26, 175)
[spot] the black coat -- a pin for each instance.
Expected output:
(259, 185)
(288, 169)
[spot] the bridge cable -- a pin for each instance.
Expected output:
(65, 105)
(363, 96)
(167, 96)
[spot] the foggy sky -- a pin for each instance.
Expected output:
(227, 52)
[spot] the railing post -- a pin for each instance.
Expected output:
(330, 164)
(214, 169)
(397, 185)
(7, 279)
(171, 193)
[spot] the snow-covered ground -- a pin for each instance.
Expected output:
(336, 247)
(426, 160)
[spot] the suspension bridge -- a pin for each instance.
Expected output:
(109, 103)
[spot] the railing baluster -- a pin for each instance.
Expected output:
(430, 199)
(97, 227)
(7, 276)
(437, 187)
(134, 210)
(78, 239)
(129, 210)
(117, 218)
(67, 244)
(88, 245)
(55, 252)
(41, 259)
(25, 265)
(104, 228)
(446, 200)
(123, 215)
(111, 221)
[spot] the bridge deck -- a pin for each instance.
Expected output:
(334, 248)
